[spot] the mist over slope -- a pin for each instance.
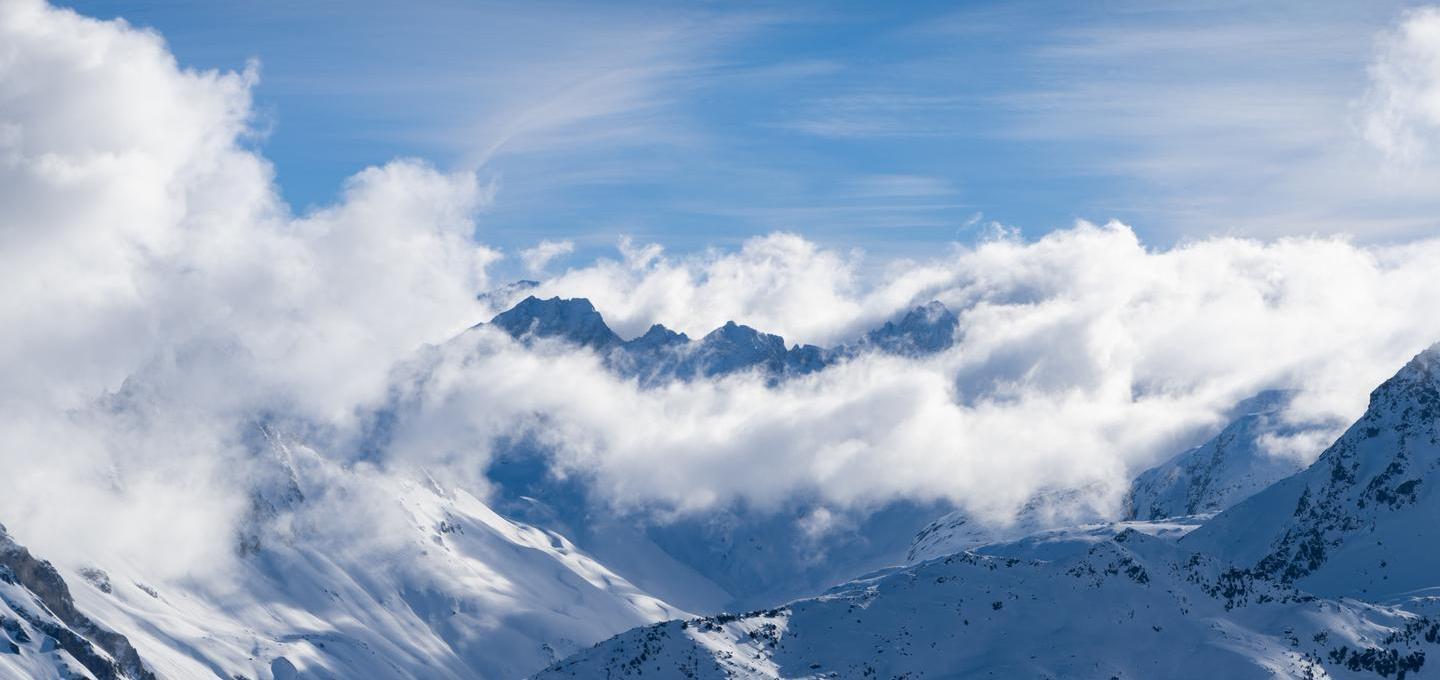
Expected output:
(1358, 522)
(1304, 586)
(326, 442)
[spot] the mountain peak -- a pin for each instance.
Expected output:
(1360, 520)
(741, 335)
(657, 338)
(1421, 372)
(926, 329)
(573, 319)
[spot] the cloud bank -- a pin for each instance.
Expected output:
(160, 293)
(162, 303)
(1082, 356)
(1402, 109)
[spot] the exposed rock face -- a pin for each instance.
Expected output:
(105, 654)
(662, 355)
(573, 320)
(1361, 521)
(927, 329)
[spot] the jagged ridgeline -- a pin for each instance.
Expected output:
(1318, 571)
(661, 355)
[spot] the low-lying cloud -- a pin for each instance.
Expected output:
(162, 302)
(1082, 356)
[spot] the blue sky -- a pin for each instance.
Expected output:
(892, 127)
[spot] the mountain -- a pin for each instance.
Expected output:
(662, 355)
(1126, 606)
(428, 582)
(727, 558)
(958, 531)
(926, 329)
(1224, 470)
(43, 634)
(1360, 521)
(416, 577)
(1292, 581)
(575, 321)
(1228, 468)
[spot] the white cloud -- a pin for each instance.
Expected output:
(780, 283)
(160, 299)
(162, 296)
(1084, 356)
(538, 257)
(1402, 108)
(1218, 119)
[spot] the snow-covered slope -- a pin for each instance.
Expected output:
(1131, 606)
(727, 558)
(959, 531)
(431, 583)
(1361, 521)
(1229, 467)
(1358, 523)
(44, 635)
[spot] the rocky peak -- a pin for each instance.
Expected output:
(107, 655)
(745, 339)
(575, 320)
(926, 329)
(1360, 520)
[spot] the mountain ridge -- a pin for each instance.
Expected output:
(1353, 522)
(661, 355)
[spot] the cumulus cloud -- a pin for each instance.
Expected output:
(1402, 108)
(1083, 356)
(161, 295)
(543, 253)
(781, 283)
(162, 303)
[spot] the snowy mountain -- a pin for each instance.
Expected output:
(436, 579)
(450, 590)
(1128, 606)
(1228, 468)
(662, 355)
(44, 635)
(927, 329)
(574, 321)
(1360, 522)
(1224, 470)
(728, 558)
(958, 531)
(1136, 598)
